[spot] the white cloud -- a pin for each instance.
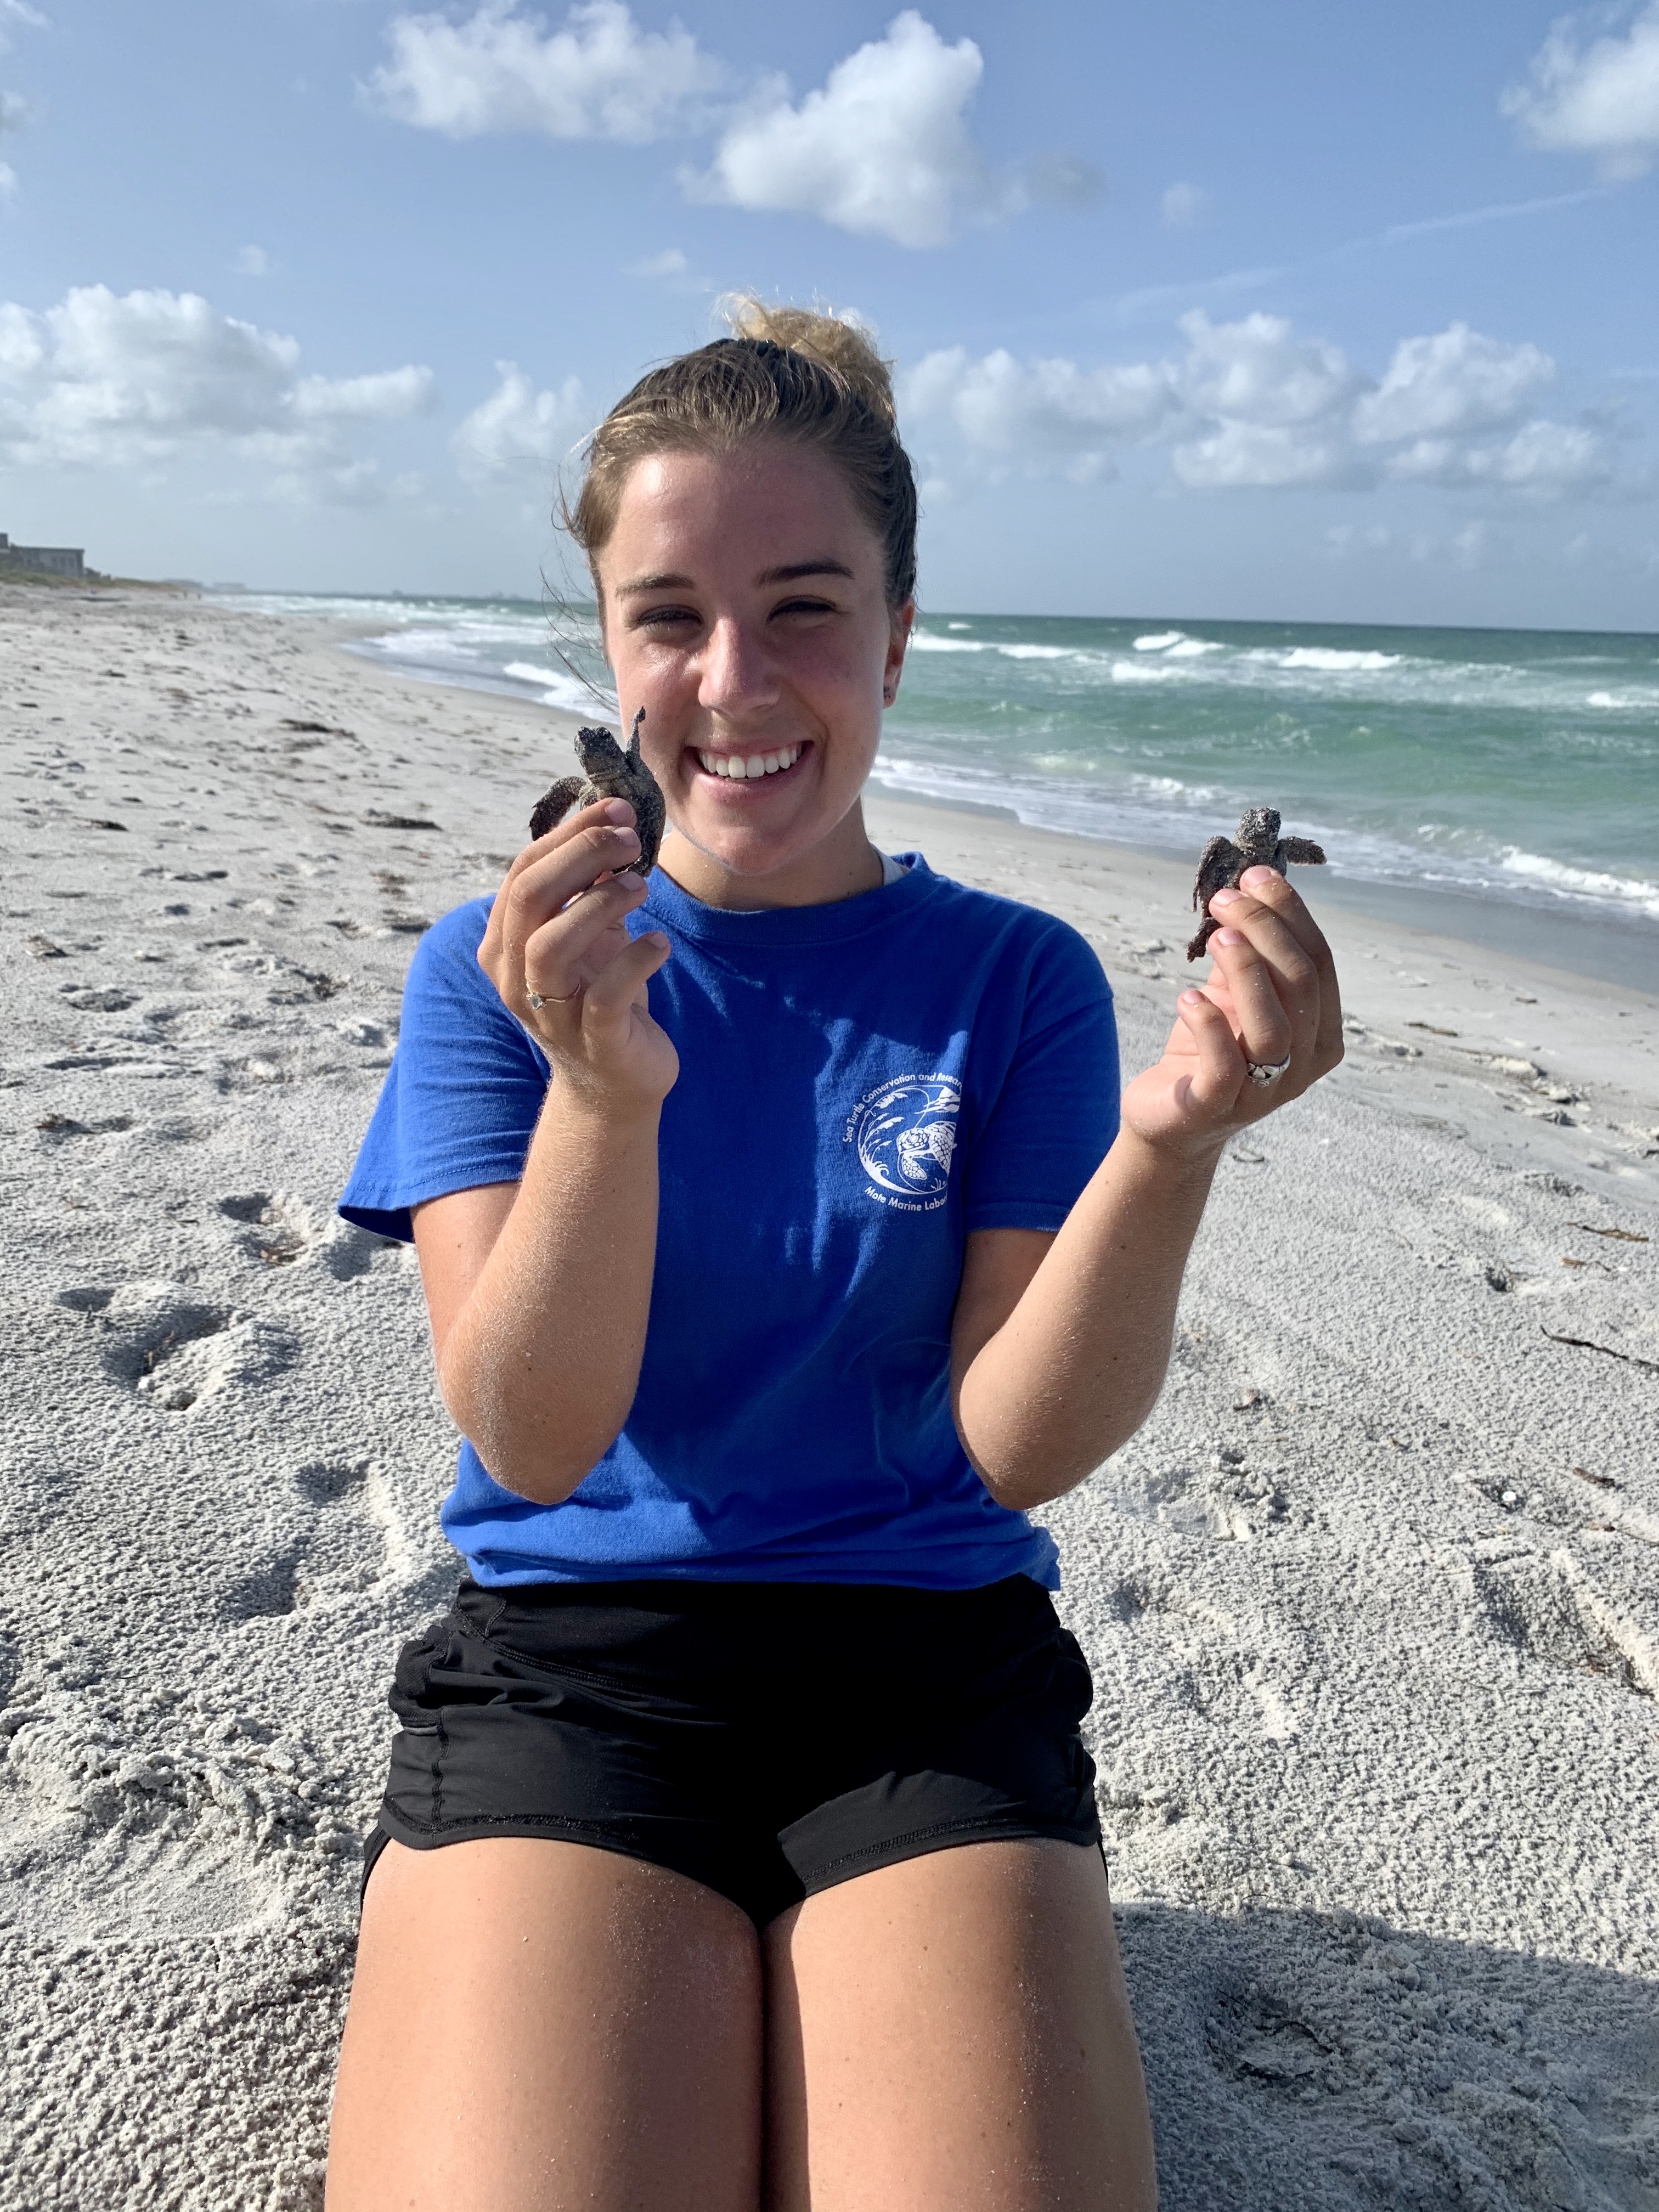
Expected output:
(882, 148)
(1258, 371)
(671, 268)
(106, 381)
(252, 261)
(1253, 403)
(1451, 385)
(1600, 98)
(1044, 411)
(1273, 455)
(600, 76)
(14, 114)
(518, 424)
(1554, 458)
(1183, 204)
(384, 396)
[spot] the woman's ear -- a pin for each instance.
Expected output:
(898, 637)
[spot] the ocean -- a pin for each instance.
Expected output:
(1503, 780)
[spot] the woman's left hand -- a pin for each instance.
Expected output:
(1272, 996)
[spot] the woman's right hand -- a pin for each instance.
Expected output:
(557, 933)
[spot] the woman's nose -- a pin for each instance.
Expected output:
(737, 671)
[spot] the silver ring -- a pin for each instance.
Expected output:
(538, 1002)
(1267, 1071)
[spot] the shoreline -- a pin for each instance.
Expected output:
(1369, 1603)
(1571, 935)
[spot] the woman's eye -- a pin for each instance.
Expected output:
(664, 618)
(806, 607)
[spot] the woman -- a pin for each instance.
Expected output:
(782, 1250)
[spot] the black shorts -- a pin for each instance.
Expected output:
(768, 1739)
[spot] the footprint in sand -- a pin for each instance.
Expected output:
(349, 1539)
(174, 1349)
(282, 1229)
(1542, 1608)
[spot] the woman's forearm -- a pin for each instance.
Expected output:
(1079, 1363)
(541, 1365)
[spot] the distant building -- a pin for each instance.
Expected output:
(41, 560)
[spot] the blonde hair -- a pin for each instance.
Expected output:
(786, 373)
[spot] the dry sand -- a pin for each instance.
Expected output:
(1371, 1602)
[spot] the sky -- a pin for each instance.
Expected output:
(1287, 313)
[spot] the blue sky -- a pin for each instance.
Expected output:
(1290, 311)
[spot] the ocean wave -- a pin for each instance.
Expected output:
(1042, 653)
(927, 640)
(1581, 883)
(561, 689)
(1135, 671)
(1177, 645)
(1326, 659)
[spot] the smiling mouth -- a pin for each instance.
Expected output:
(738, 768)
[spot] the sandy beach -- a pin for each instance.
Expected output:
(1371, 1602)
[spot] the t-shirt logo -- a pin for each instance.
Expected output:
(905, 1131)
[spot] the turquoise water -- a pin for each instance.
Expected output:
(1520, 764)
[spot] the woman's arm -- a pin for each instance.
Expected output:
(539, 1290)
(1060, 1344)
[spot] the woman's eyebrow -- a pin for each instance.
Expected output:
(664, 582)
(823, 565)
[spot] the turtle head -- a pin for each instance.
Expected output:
(1258, 829)
(600, 753)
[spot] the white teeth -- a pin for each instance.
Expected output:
(739, 767)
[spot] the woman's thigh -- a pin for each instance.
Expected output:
(952, 2034)
(544, 2025)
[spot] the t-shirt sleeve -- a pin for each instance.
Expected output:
(460, 1100)
(1055, 1112)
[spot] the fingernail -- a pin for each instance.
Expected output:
(619, 811)
(1229, 937)
(1192, 998)
(1257, 879)
(1224, 898)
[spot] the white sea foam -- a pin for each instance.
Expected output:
(1041, 653)
(562, 688)
(1191, 648)
(925, 641)
(1581, 883)
(1326, 659)
(1134, 672)
(1160, 640)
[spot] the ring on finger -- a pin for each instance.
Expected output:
(538, 1001)
(1266, 1071)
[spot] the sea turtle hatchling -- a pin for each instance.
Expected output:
(1258, 845)
(608, 773)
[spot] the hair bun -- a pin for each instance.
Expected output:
(841, 343)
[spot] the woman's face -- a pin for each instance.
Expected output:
(745, 609)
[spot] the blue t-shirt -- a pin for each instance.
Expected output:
(861, 1084)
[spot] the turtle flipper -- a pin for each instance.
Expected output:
(1219, 867)
(1214, 871)
(555, 804)
(1206, 929)
(1304, 851)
